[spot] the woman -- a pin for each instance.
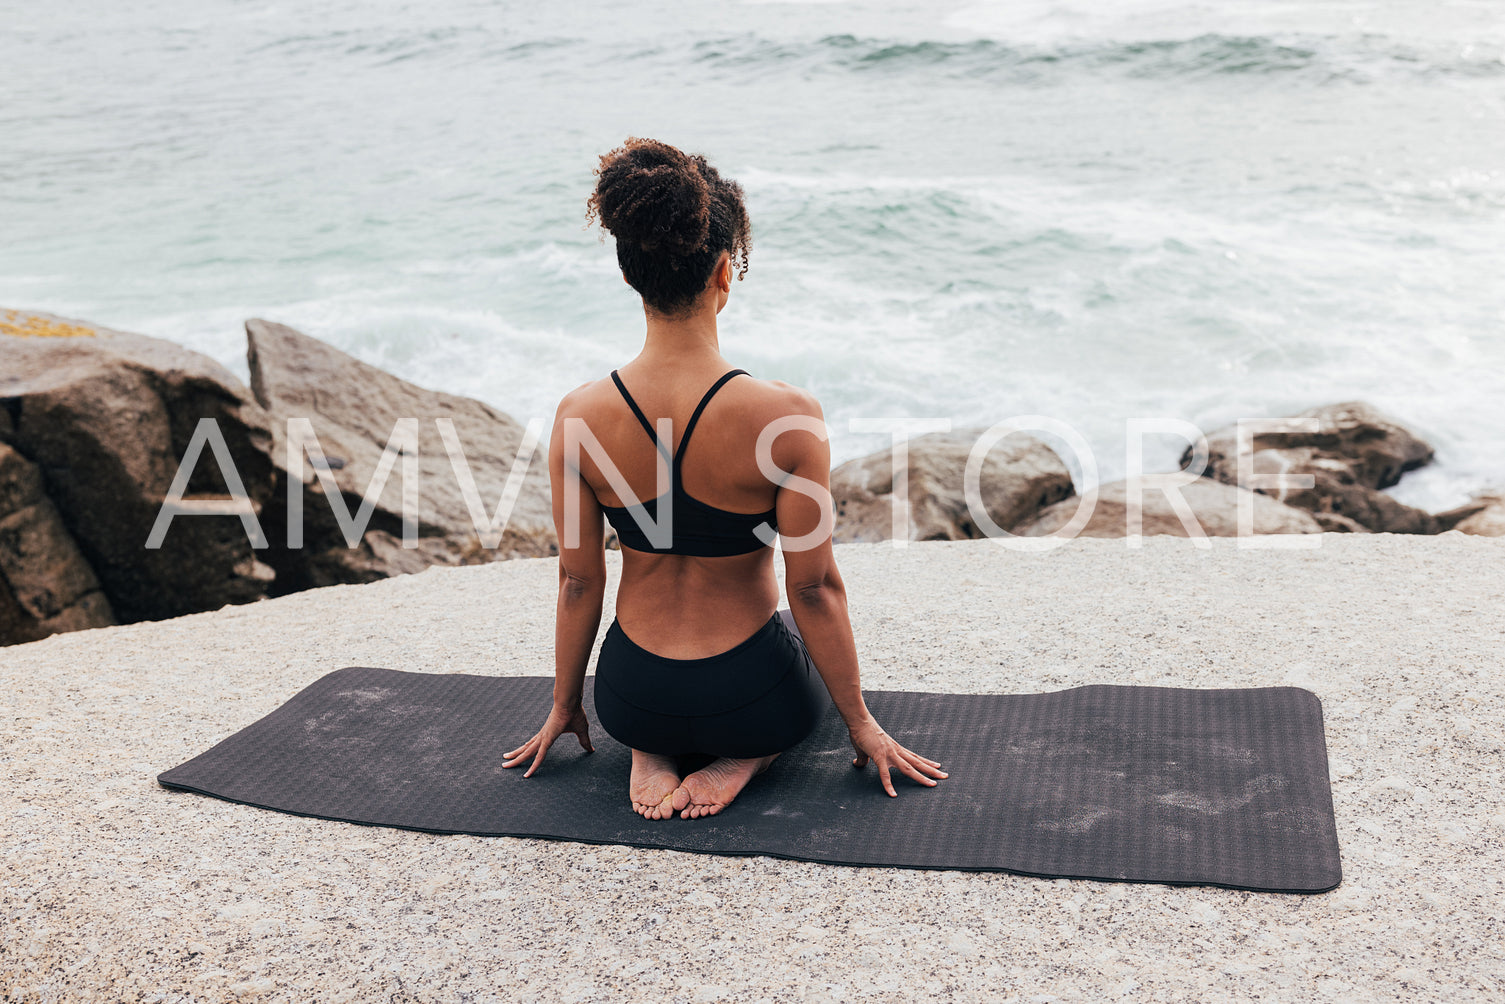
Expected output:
(698, 660)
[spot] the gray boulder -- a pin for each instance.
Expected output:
(1214, 505)
(353, 409)
(46, 586)
(1355, 451)
(106, 416)
(1019, 476)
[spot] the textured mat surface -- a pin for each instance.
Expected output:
(1140, 784)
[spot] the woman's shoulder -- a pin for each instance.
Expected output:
(777, 398)
(582, 399)
(756, 396)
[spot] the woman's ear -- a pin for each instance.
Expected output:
(724, 280)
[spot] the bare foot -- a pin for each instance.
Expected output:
(712, 788)
(655, 779)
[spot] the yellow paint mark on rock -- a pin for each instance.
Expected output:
(31, 326)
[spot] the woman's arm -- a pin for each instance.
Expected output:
(582, 589)
(582, 568)
(818, 598)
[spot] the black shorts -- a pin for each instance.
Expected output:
(757, 698)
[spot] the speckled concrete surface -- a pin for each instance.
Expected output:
(114, 889)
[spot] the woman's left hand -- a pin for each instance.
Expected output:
(872, 743)
(560, 721)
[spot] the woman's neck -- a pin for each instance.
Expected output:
(682, 337)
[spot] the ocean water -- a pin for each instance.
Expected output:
(1088, 211)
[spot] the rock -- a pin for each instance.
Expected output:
(1489, 522)
(106, 416)
(1483, 516)
(1020, 476)
(1214, 504)
(1355, 452)
(353, 408)
(46, 586)
(1332, 522)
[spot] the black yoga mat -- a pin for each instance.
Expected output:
(1138, 784)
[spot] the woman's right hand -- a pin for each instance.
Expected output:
(872, 743)
(560, 721)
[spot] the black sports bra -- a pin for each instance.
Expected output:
(698, 529)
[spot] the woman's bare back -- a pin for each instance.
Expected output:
(684, 606)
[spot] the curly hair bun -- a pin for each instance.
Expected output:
(654, 196)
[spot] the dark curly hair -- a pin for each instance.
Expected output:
(672, 215)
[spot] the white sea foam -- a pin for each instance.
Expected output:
(1052, 21)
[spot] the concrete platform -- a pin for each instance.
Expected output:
(114, 889)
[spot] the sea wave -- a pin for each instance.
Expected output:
(1089, 209)
(1358, 58)
(1354, 56)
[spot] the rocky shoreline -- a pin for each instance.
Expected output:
(95, 425)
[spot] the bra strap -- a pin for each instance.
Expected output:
(695, 417)
(638, 412)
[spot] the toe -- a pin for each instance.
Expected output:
(679, 797)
